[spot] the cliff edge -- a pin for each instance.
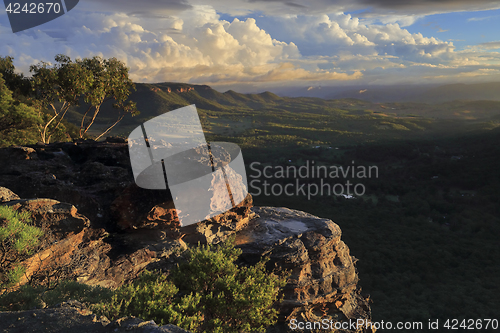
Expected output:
(103, 230)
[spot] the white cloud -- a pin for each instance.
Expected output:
(195, 45)
(340, 33)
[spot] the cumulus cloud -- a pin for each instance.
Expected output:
(195, 46)
(188, 42)
(341, 33)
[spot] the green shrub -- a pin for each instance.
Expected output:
(151, 297)
(232, 299)
(18, 239)
(207, 293)
(29, 297)
(25, 298)
(78, 291)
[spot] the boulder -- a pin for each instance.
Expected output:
(72, 316)
(90, 175)
(323, 279)
(59, 217)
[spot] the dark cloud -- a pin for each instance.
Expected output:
(150, 15)
(279, 7)
(147, 7)
(286, 3)
(296, 5)
(425, 7)
(376, 6)
(428, 3)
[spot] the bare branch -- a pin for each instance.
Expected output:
(109, 128)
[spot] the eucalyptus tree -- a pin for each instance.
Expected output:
(57, 88)
(110, 82)
(95, 80)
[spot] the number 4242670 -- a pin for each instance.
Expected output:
(471, 324)
(33, 8)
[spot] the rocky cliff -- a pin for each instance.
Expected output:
(103, 230)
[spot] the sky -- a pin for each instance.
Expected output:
(254, 45)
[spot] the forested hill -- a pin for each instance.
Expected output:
(157, 98)
(154, 99)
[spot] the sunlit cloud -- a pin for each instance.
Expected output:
(191, 42)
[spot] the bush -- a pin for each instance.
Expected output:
(18, 239)
(232, 298)
(29, 297)
(152, 297)
(208, 293)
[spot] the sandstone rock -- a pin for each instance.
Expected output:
(138, 325)
(61, 218)
(115, 139)
(7, 195)
(323, 280)
(138, 208)
(70, 248)
(219, 227)
(97, 178)
(17, 153)
(119, 271)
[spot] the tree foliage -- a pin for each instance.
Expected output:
(17, 83)
(96, 80)
(17, 120)
(57, 88)
(110, 82)
(232, 298)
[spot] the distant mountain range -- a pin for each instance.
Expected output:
(158, 98)
(400, 93)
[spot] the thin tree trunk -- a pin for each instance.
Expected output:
(83, 122)
(109, 128)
